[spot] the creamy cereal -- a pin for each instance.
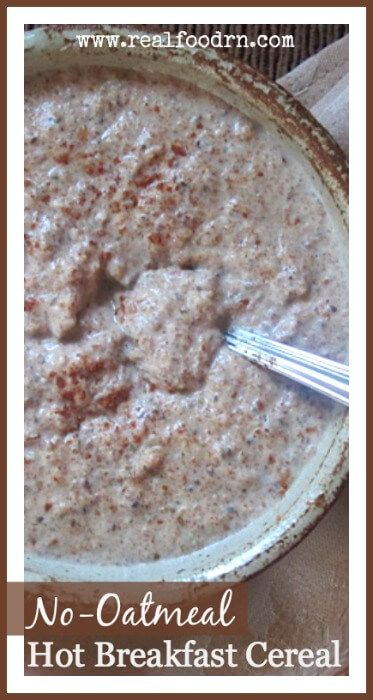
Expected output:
(155, 217)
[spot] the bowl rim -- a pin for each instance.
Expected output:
(292, 120)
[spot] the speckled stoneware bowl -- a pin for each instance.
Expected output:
(249, 550)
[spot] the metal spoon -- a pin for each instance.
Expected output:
(325, 376)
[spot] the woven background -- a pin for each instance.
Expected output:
(273, 62)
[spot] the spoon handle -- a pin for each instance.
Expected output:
(325, 376)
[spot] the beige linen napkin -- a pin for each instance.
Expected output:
(302, 600)
(321, 84)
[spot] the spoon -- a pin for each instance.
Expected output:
(325, 376)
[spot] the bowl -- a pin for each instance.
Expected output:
(247, 551)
